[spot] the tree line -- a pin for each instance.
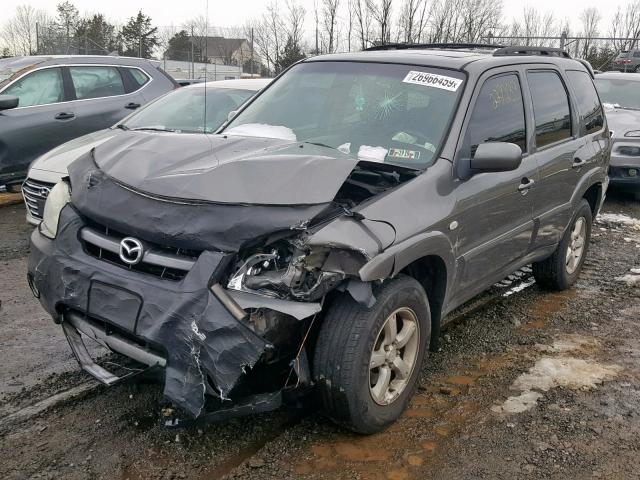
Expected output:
(285, 32)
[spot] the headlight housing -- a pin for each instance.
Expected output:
(59, 196)
(632, 133)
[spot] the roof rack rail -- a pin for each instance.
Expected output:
(451, 46)
(524, 50)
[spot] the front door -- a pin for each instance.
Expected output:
(42, 120)
(494, 210)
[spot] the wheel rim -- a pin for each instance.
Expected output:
(575, 250)
(394, 356)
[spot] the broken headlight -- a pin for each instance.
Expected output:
(288, 269)
(59, 196)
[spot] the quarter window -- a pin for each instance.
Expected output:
(550, 107)
(588, 101)
(139, 77)
(96, 82)
(38, 88)
(498, 115)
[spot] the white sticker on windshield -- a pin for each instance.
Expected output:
(433, 80)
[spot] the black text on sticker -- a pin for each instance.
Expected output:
(402, 153)
(433, 80)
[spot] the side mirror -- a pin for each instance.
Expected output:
(496, 157)
(7, 102)
(231, 114)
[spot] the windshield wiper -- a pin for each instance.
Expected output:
(122, 126)
(153, 129)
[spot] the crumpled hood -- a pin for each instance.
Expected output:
(58, 159)
(621, 121)
(225, 169)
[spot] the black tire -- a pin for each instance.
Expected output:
(343, 352)
(552, 273)
(13, 187)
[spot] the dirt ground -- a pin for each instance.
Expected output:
(528, 384)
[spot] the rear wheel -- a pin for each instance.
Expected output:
(560, 270)
(367, 361)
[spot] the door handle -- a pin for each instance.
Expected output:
(64, 116)
(577, 163)
(526, 184)
(132, 105)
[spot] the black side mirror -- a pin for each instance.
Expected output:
(491, 157)
(496, 157)
(7, 102)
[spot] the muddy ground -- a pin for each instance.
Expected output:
(528, 385)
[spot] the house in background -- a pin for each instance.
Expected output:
(225, 51)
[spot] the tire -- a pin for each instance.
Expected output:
(13, 187)
(555, 273)
(346, 341)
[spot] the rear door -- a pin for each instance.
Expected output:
(43, 119)
(558, 150)
(494, 210)
(104, 94)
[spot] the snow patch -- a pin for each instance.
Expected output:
(618, 219)
(523, 402)
(263, 130)
(375, 154)
(569, 343)
(345, 148)
(194, 328)
(631, 279)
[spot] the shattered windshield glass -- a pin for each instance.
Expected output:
(619, 93)
(388, 113)
(183, 110)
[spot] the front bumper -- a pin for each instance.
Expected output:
(178, 325)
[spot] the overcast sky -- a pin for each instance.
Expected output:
(236, 12)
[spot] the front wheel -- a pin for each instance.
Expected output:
(367, 361)
(560, 270)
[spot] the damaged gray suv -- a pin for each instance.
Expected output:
(317, 242)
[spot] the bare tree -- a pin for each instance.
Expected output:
(20, 31)
(412, 20)
(329, 23)
(198, 30)
(590, 20)
(381, 15)
(626, 24)
(363, 22)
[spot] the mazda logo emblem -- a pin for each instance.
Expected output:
(131, 250)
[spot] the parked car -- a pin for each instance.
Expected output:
(318, 241)
(620, 94)
(48, 100)
(180, 111)
(627, 61)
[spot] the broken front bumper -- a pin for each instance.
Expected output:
(178, 325)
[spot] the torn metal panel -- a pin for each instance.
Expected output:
(183, 320)
(299, 310)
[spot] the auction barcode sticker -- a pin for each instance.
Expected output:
(433, 80)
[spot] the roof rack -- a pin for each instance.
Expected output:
(542, 51)
(450, 46)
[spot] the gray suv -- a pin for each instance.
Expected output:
(317, 242)
(46, 101)
(627, 61)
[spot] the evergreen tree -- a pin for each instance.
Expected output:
(96, 36)
(138, 38)
(179, 47)
(291, 53)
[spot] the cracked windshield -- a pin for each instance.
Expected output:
(378, 112)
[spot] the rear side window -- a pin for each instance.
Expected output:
(139, 77)
(588, 101)
(96, 82)
(550, 107)
(498, 115)
(636, 54)
(38, 88)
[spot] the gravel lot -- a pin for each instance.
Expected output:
(529, 385)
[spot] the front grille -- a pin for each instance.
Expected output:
(35, 194)
(161, 261)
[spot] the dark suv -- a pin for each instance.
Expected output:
(318, 241)
(48, 100)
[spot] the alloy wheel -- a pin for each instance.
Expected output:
(575, 250)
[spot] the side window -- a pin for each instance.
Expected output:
(636, 54)
(588, 101)
(139, 77)
(38, 88)
(96, 82)
(498, 115)
(550, 107)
